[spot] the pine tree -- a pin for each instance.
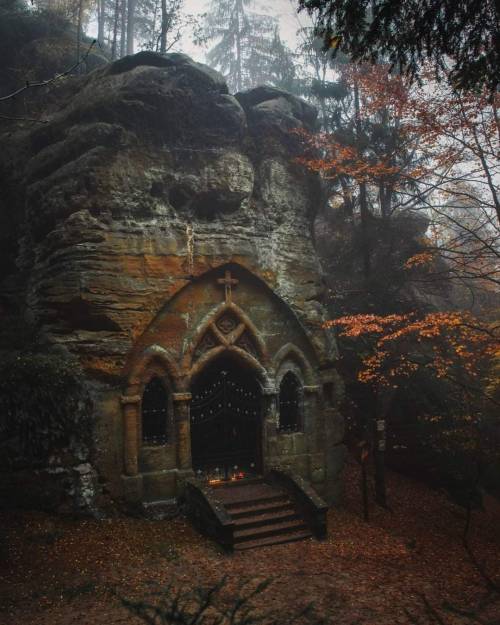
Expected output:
(282, 70)
(243, 39)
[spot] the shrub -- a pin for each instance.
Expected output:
(44, 406)
(214, 605)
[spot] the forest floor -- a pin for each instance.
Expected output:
(405, 566)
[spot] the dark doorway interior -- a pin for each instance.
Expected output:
(154, 413)
(225, 419)
(290, 403)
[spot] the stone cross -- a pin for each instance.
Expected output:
(228, 282)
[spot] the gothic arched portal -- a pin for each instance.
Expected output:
(226, 418)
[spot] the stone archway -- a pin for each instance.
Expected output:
(226, 418)
(229, 387)
(192, 340)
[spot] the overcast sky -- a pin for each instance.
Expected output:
(284, 10)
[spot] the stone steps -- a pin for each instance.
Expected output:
(256, 509)
(273, 540)
(263, 515)
(271, 529)
(268, 518)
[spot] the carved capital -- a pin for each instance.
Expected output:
(311, 389)
(180, 397)
(130, 399)
(270, 390)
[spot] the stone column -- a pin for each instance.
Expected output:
(130, 405)
(312, 420)
(269, 425)
(182, 430)
(316, 435)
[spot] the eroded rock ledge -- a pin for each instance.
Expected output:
(150, 173)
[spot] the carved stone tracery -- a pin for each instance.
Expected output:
(227, 323)
(208, 341)
(225, 330)
(246, 343)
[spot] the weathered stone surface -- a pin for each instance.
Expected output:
(278, 102)
(143, 147)
(148, 178)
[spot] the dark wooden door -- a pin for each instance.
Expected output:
(225, 420)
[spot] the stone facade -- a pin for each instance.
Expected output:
(167, 224)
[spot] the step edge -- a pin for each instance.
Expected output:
(249, 502)
(276, 540)
(270, 531)
(263, 504)
(291, 516)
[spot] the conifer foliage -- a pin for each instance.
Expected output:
(462, 34)
(247, 47)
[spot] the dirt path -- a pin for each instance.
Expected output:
(59, 571)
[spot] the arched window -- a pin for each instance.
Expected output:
(154, 413)
(290, 403)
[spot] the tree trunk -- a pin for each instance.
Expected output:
(365, 232)
(384, 400)
(100, 21)
(154, 38)
(163, 35)
(386, 189)
(123, 28)
(79, 33)
(363, 200)
(130, 26)
(115, 30)
(379, 462)
(364, 482)
(239, 80)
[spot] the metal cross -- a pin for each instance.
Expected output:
(228, 282)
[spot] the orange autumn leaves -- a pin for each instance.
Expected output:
(338, 159)
(380, 96)
(422, 259)
(448, 344)
(455, 136)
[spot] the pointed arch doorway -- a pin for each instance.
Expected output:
(226, 423)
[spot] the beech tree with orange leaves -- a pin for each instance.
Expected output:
(459, 184)
(430, 151)
(426, 158)
(401, 351)
(361, 159)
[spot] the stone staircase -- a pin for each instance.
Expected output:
(262, 514)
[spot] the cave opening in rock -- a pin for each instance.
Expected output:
(209, 205)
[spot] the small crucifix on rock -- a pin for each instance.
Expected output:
(228, 282)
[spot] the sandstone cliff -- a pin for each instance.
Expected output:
(147, 174)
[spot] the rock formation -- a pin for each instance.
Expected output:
(148, 182)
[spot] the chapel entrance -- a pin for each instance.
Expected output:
(226, 420)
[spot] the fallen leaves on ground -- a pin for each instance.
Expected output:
(60, 571)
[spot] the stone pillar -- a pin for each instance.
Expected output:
(315, 430)
(182, 430)
(269, 425)
(334, 430)
(312, 417)
(130, 405)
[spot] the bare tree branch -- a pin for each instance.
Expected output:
(44, 83)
